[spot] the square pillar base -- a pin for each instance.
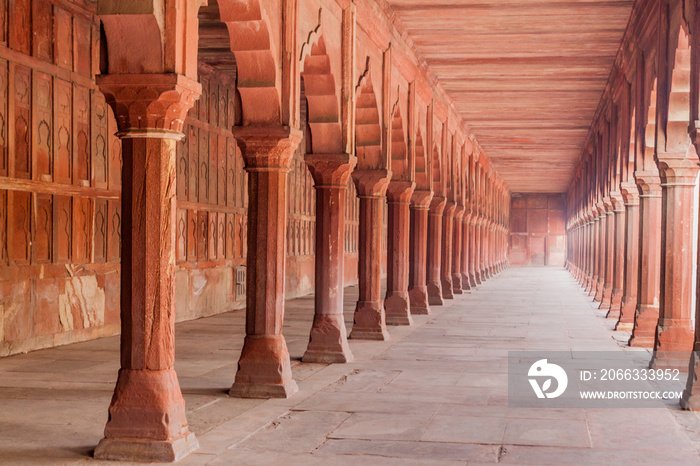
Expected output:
(146, 451)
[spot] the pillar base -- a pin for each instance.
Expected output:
(369, 322)
(606, 297)
(397, 309)
(626, 320)
(435, 294)
(418, 300)
(615, 305)
(447, 288)
(146, 451)
(457, 283)
(691, 395)
(674, 336)
(592, 286)
(264, 370)
(670, 360)
(624, 326)
(147, 405)
(472, 279)
(598, 289)
(466, 285)
(644, 331)
(328, 343)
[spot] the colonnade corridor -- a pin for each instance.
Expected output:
(434, 393)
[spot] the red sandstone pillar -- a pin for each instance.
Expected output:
(595, 244)
(608, 258)
(647, 311)
(457, 251)
(472, 251)
(328, 341)
(447, 253)
(418, 289)
(370, 320)
(264, 370)
(492, 249)
(618, 275)
(466, 284)
(587, 256)
(674, 332)
(631, 271)
(437, 206)
(478, 250)
(147, 414)
(601, 251)
(397, 306)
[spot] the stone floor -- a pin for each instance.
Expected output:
(434, 394)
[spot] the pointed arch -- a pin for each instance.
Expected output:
(320, 91)
(649, 150)
(251, 43)
(399, 152)
(631, 156)
(368, 130)
(438, 188)
(422, 166)
(674, 131)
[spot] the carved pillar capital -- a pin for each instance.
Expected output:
(607, 205)
(420, 199)
(149, 105)
(400, 191)
(330, 169)
(617, 201)
(630, 193)
(677, 169)
(267, 147)
(371, 183)
(599, 209)
(437, 205)
(649, 183)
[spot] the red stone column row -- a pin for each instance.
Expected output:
(632, 199)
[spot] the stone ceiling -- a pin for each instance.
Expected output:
(526, 75)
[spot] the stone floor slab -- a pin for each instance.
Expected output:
(436, 393)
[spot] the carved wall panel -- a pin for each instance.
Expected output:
(60, 174)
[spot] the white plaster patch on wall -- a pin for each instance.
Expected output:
(199, 282)
(65, 316)
(14, 308)
(84, 294)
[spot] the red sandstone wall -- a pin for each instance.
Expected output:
(60, 176)
(538, 229)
